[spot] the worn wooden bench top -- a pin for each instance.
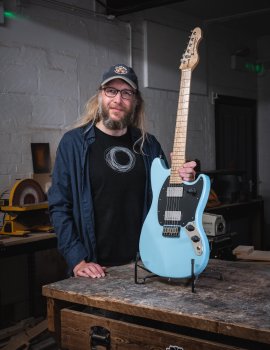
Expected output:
(10, 240)
(238, 305)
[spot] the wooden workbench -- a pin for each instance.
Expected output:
(11, 247)
(14, 245)
(233, 313)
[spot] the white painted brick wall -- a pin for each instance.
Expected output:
(50, 64)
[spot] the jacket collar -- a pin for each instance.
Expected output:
(88, 132)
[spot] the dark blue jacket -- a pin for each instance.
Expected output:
(70, 199)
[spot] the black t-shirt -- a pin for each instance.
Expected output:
(117, 176)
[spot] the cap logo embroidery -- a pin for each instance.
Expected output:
(120, 70)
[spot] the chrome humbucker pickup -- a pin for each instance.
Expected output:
(172, 215)
(175, 191)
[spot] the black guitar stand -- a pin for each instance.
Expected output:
(193, 276)
(143, 268)
(193, 279)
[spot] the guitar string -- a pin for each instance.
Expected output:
(173, 195)
(173, 201)
(177, 184)
(184, 119)
(170, 205)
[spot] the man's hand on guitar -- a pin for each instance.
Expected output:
(187, 171)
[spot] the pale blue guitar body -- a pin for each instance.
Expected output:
(172, 238)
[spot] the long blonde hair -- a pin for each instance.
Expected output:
(91, 114)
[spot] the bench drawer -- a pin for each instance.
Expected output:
(84, 331)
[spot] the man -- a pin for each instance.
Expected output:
(101, 189)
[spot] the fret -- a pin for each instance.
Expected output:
(179, 145)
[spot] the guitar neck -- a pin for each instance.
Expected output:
(180, 137)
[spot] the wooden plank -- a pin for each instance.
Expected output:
(248, 253)
(31, 237)
(53, 316)
(256, 255)
(23, 339)
(12, 330)
(77, 326)
(243, 249)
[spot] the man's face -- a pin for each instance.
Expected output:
(117, 111)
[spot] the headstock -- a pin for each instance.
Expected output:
(190, 58)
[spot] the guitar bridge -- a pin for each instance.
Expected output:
(171, 231)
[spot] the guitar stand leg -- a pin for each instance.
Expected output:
(211, 274)
(192, 276)
(143, 268)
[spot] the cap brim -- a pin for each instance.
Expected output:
(120, 77)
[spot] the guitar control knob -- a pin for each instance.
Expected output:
(192, 191)
(195, 239)
(190, 227)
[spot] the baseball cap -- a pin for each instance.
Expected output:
(121, 71)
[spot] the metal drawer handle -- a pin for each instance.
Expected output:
(100, 336)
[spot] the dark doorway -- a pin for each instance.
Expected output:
(235, 177)
(236, 141)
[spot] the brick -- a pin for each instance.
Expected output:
(4, 182)
(8, 55)
(51, 112)
(58, 83)
(59, 61)
(15, 111)
(35, 56)
(18, 78)
(7, 168)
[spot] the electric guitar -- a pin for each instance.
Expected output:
(173, 242)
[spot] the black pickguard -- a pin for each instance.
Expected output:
(187, 204)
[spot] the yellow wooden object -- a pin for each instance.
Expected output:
(27, 210)
(12, 227)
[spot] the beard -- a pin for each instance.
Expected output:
(111, 124)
